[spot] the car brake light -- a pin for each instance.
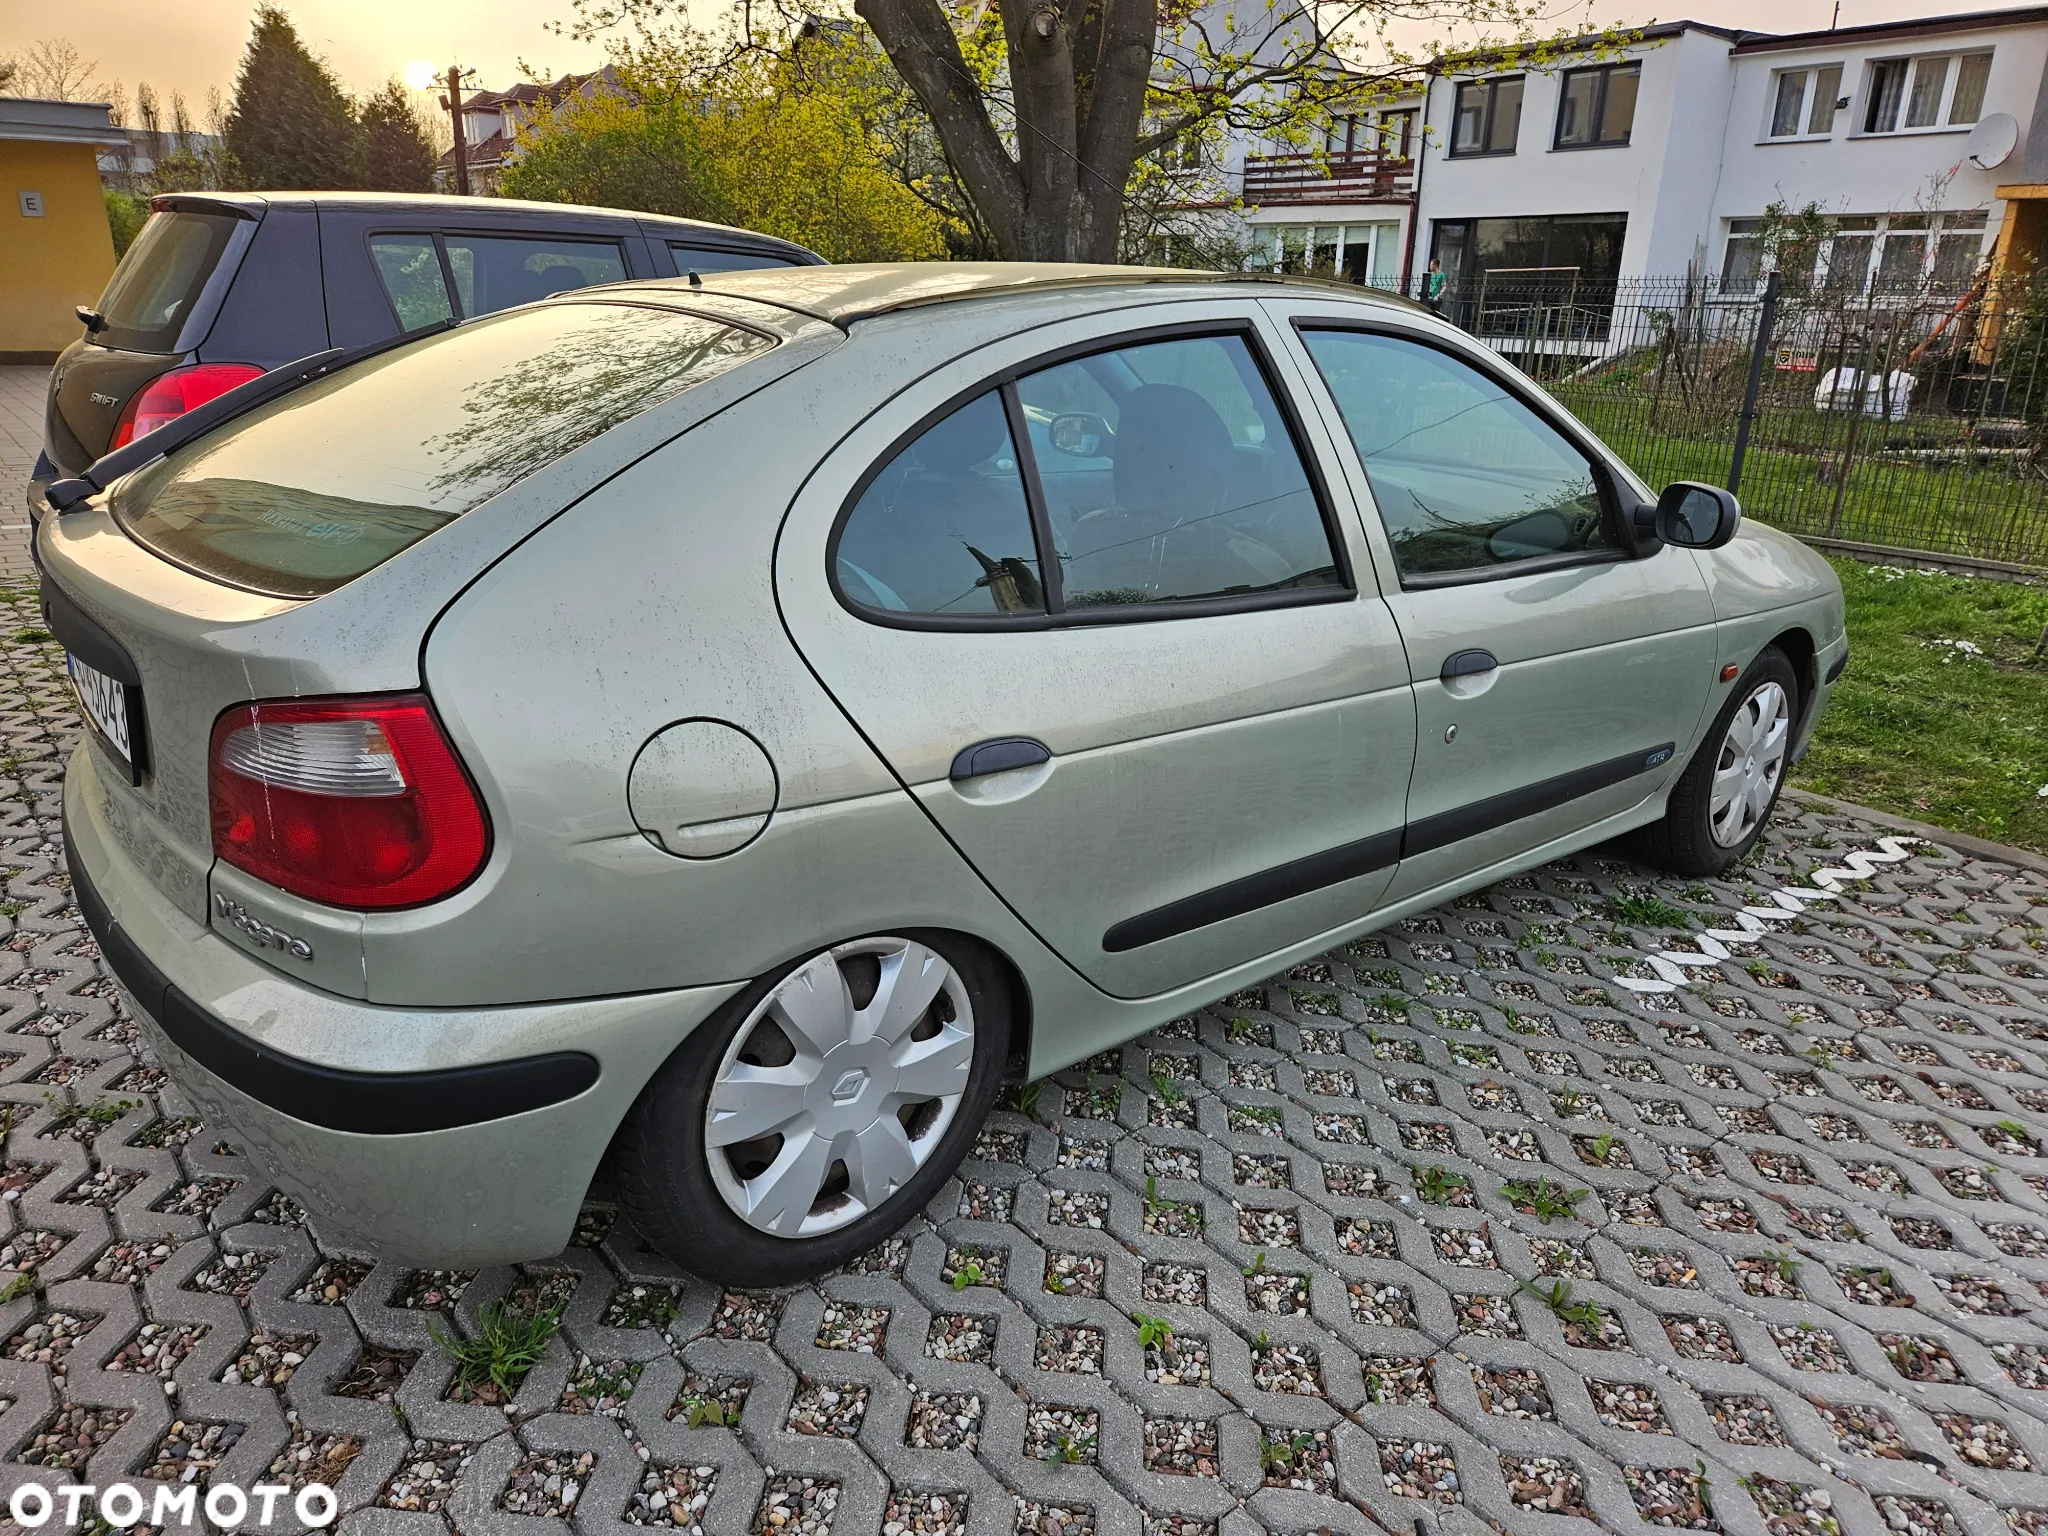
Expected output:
(172, 394)
(349, 802)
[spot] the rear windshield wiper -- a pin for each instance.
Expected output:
(176, 433)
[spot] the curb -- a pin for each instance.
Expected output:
(1983, 848)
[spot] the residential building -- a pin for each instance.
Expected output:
(55, 246)
(491, 121)
(1920, 141)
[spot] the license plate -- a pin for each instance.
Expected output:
(105, 701)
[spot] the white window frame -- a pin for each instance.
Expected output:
(1809, 78)
(1950, 62)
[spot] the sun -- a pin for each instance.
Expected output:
(420, 74)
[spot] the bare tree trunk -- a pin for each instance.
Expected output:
(1077, 87)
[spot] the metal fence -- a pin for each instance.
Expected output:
(1910, 416)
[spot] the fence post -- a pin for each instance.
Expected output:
(1765, 316)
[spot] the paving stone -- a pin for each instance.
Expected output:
(1809, 1273)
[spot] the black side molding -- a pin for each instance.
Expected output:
(1301, 876)
(367, 1103)
(1841, 665)
(1447, 827)
(1263, 889)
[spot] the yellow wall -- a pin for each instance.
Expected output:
(51, 264)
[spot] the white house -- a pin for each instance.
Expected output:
(1658, 161)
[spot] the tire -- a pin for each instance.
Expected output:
(1693, 839)
(806, 1063)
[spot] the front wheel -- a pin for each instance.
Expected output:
(1722, 802)
(818, 1111)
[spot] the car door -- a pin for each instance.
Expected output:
(1559, 672)
(1159, 715)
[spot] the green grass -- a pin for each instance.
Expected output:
(1924, 731)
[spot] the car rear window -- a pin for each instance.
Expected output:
(335, 479)
(158, 282)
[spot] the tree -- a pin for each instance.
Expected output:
(1043, 123)
(397, 154)
(54, 70)
(290, 126)
(762, 146)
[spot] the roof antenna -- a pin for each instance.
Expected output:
(1838, 16)
(695, 280)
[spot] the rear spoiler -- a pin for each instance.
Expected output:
(63, 495)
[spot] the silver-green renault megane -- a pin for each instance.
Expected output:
(735, 727)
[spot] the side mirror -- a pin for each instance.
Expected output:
(1079, 434)
(1696, 516)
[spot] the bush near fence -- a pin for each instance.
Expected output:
(1932, 437)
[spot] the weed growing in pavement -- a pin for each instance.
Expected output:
(1278, 1455)
(1546, 1201)
(1070, 1450)
(1241, 1028)
(507, 1345)
(699, 1411)
(1786, 1266)
(100, 1112)
(1264, 1114)
(1439, 1185)
(969, 1273)
(1153, 1332)
(1646, 909)
(1601, 1147)
(1257, 1265)
(1559, 1299)
(18, 1287)
(1022, 1097)
(1166, 1088)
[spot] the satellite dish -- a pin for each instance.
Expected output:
(1992, 140)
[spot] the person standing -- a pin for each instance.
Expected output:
(1433, 282)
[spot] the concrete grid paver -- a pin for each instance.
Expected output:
(1794, 1271)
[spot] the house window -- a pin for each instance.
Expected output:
(1397, 134)
(1368, 254)
(1743, 262)
(1597, 106)
(1804, 101)
(1932, 91)
(1958, 246)
(1489, 116)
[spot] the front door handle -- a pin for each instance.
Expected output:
(1466, 664)
(997, 756)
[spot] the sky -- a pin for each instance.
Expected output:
(189, 45)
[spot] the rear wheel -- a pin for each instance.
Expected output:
(1722, 802)
(817, 1111)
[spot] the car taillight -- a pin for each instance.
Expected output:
(350, 802)
(171, 395)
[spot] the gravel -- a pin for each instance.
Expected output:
(945, 1421)
(1183, 1447)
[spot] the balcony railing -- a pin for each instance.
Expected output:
(1275, 180)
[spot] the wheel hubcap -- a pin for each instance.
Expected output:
(1751, 761)
(839, 1086)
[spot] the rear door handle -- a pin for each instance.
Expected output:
(997, 756)
(1467, 664)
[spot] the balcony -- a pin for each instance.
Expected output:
(1274, 181)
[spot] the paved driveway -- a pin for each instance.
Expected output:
(1284, 1264)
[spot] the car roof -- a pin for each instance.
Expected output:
(843, 295)
(481, 209)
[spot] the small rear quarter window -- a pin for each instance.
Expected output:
(159, 281)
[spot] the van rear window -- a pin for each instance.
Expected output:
(153, 291)
(307, 494)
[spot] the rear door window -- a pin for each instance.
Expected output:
(495, 272)
(701, 259)
(159, 281)
(489, 272)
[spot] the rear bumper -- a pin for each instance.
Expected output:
(446, 1138)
